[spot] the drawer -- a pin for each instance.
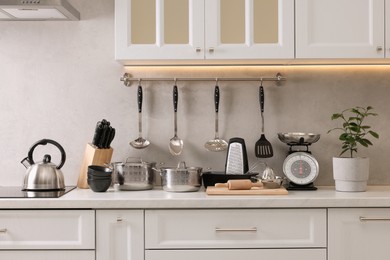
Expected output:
(274, 254)
(48, 255)
(47, 229)
(246, 228)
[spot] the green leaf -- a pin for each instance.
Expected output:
(335, 116)
(355, 129)
(374, 134)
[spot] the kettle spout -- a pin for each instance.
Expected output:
(26, 162)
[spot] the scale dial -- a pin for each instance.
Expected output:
(300, 168)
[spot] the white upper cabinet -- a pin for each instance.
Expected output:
(203, 29)
(249, 29)
(159, 29)
(387, 28)
(340, 29)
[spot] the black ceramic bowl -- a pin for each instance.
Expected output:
(99, 185)
(99, 171)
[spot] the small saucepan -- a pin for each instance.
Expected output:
(181, 178)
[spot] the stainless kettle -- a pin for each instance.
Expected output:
(44, 175)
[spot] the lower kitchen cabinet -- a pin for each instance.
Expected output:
(274, 254)
(359, 233)
(48, 255)
(119, 234)
(233, 234)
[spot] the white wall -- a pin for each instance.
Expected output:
(59, 78)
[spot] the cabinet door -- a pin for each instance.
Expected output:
(387, 28)
(249, 29)
(339, 28)
(358, 234)
(274, 254)
(119, 234)
(159, 29)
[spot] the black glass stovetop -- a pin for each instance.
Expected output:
(17, 192)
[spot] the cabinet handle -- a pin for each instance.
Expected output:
(253, 229)
(211, 50)
(379, 48)
(120, 219)
(364, 219)
(3, 231)
(198, 49)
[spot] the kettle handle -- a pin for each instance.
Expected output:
(45, 142)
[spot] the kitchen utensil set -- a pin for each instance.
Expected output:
(263, 148)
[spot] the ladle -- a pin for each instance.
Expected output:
(140, 142)
(217, 144)
(175, 144)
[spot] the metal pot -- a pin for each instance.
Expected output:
(44, 175)
(181, 178)
(133, 175)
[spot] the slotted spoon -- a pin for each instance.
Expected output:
(217, 144)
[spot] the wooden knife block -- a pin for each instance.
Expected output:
(93, 156)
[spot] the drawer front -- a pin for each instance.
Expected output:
(47, 229)
(47, 255)
(246, 228)
(274, 254)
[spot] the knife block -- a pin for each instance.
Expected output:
(93, 156)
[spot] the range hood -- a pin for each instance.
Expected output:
(37, 10)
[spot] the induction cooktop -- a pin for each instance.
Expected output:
(17, 192)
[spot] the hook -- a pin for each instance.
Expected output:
(174, 81)
(261, 82)
(216, 81)
(139, 81)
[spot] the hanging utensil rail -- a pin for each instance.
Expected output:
(127, 79)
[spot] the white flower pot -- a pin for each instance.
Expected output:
(351, 174)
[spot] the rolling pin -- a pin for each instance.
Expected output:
(239, 184)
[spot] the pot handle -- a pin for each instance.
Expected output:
(45, 142)
(134, 160)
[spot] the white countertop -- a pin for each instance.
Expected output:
(324, 197)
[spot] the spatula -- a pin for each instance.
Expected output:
(263, 148)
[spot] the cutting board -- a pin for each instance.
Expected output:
(253, 191)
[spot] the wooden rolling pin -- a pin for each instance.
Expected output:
(239, 184)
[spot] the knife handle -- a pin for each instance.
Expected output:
(97, 134)
(139, 98)
(106, 140)
(103, 137)
(112, 135)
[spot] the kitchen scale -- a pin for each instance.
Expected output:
(300, 167)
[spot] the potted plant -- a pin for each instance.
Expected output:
(351, 173)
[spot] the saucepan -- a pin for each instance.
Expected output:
(134, 174)
(181, 178)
